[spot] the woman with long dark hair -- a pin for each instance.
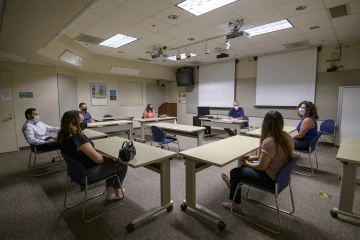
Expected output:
(74, 143)
(149, 111)
(276, 149)
(307, 127)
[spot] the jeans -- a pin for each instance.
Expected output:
(246, 173)
(107, 169)
(302, 144)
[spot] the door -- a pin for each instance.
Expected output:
(7, 114)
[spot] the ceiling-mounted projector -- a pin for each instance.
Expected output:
(160, 53)
(238, 34)
(222, 55)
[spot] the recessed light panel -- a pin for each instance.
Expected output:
(125, 71)
(270, 27)
(198, 7)
(117, 41)
(72, 58)
(173, 58)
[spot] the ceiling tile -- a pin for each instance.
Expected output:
(311, 17)
(258, 39)
(173, 43)
(333, 3)
(111, 25)
(284, 33)
(291, 39)
(248, 7)
(100, 49)
(220, 15)
(349, 36)
(267, 16)
(143, 44)
(253, 52)
(147, 7)
(267, 44)
(8, 57)
(195, 25)
(78, 27)
(274, 48)
(89, 18)
(136, 32)
(118, 1)
(323, 41)
(104, 7)
(85, 45)
(311, 5)
(174, 32)
(239, 43)
(182, 15)
(71, 34)
(128, 48)
(348, 29)
(322, 26)
(153, 25)
(320, 34)
(126, 15)
(346, 20)
(246, 48)
(282, 2)
(98, 32)
(157, 38)
(355, 7)
(212, 32)
(184, 39)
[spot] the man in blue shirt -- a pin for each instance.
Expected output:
(87, 116)
(235, 112)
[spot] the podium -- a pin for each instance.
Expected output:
(170, 109)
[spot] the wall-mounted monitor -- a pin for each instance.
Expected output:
(185, 77)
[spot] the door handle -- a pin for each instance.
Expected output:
(7, 119)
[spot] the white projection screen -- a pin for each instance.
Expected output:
(217, 84)
(286, 79)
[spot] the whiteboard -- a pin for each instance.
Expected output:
(286, 79)
(217, 84)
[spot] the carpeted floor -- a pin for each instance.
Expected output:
(32, 208)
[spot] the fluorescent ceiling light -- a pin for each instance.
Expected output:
(270, 27)
(182, 56)
(117, 41)
(125, 71)
(72, 58)
(198, 7)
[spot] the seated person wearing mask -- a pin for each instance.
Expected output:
(307, 127)
(235, 112)
(87, 116)
(149, 112)
(35, 131)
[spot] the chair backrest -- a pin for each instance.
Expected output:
(142, 117)
(328, 126)
(283, 177)
(157, 134)
(246, 124)
(107, 116)
(313, 143)
(76, 171)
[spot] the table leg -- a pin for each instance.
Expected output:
(142, 131)
(130, 132)
(238, 127)
(347, 191)
(200, 136)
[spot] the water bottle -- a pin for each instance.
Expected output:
(175, 122)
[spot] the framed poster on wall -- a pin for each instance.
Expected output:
(98, 94)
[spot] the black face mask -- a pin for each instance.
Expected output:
(83, 125)
(84, 109)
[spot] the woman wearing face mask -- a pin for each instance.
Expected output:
(307, 127)
(74, 143)
(149, 112)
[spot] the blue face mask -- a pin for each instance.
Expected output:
(301, 111)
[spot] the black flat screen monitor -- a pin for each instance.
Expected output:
(203, 111)
(185, 77)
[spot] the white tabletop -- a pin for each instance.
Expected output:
(145, 154)
(177, 127)
(154, 119)
(221, 153)
(113, 118)
(257, 132)
(224, 120)
(91, 134)
(99, 124)
(349, 150)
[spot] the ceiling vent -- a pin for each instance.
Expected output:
(338, 11)
(297, 44)
(124, 71)
(144, 60)
(89, 39)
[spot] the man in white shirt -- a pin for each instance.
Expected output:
(35, 132)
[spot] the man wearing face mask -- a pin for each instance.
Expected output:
(35, 131)
(235, 112)
(87, 116)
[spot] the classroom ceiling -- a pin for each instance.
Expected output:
(149, 22)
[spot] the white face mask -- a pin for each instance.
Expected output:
(36, 118)
(236, 107)
(301, 111)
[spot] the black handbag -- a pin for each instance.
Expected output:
(127, 151)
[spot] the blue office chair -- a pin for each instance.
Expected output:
(312, 149)
(283, 179)
(107, 116)
(327, 127)
(158, 136)
(35, 151)
(246, 124)
(76, 173)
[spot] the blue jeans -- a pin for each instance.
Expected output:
(239, 174)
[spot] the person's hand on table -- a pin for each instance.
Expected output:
(49, 141)
(229, 118)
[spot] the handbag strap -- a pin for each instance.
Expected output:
(124, 145)
(131, 144)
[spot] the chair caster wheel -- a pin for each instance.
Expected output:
(53, 160)
(333, 214)
(183, 207)
(169, 209)
(130, 228)
(221, 226)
